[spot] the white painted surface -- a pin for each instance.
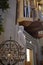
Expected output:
(10, 20)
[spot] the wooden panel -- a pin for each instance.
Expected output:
(27, 63)
(25, 21)
(33, 29)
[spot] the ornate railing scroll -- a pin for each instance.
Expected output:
(11, 52)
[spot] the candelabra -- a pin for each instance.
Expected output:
(11, 52)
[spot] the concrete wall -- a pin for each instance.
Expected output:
(33, 44)
(41, 41)
(41, 44)
(9, 21)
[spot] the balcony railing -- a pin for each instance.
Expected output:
(27, 11)
(30, 12)
(40, 16)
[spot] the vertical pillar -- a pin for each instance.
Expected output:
(21, 8)
(10, 21)
(25, 8)
(29, 9)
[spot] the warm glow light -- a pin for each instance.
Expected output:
(28, 55)
(40, 8)
(42, 13)
(9, 55)
(40, 32)
(30, 42)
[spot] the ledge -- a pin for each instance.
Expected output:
(25, 21)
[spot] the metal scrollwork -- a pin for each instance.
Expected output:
(11, 52)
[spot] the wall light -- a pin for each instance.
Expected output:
(30, 42)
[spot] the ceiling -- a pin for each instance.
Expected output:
(34, 28)
(41, 1)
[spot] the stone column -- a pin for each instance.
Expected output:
(10, 20)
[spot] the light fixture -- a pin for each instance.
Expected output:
(10, 50)
(39, 7)
(30, 42)
(40, 32)
(9, 55)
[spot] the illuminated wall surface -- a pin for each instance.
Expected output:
(28, 55)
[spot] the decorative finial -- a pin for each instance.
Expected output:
(10, 37)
